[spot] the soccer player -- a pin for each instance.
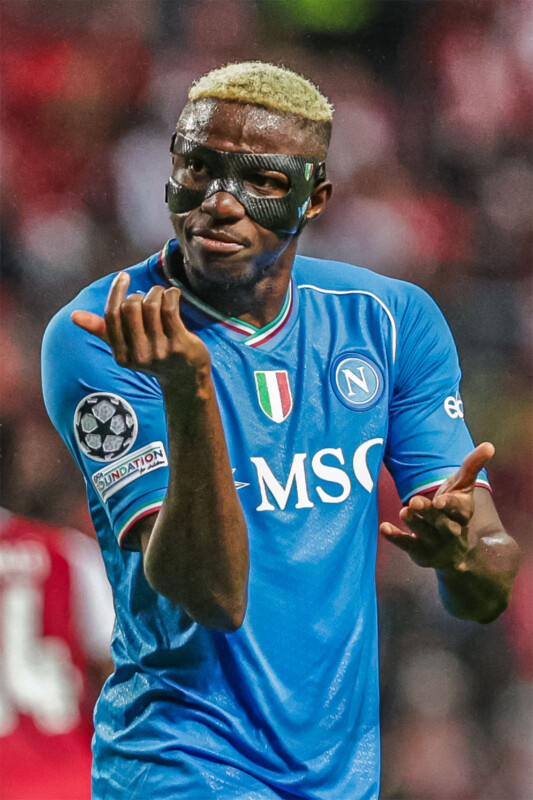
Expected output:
(230, 404)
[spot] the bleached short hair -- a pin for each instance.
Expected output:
(260, 83)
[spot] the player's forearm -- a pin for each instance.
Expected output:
(197, 553)
(480, 589)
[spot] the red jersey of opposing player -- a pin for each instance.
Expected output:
(55, 622)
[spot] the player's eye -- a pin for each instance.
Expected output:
(267, 184)
(191, 171)
(195, 166)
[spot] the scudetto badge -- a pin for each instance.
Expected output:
(274, 393)
(357, 381)
(105, 425)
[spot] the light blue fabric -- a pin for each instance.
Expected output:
(287, 706)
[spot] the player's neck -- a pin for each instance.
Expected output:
(261, 307)
(258, 305)
(258, 301)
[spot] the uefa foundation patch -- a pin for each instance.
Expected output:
(110, 479)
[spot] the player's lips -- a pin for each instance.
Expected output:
(217, 241)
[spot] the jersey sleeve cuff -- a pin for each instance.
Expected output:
(433, 484)
(148, 504)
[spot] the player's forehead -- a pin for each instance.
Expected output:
(240, 127)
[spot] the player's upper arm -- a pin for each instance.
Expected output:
(112, 420)
(428, 438)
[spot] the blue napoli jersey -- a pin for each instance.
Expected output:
(357, 369)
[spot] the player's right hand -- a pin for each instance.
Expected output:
(441, 534)
(146, 333)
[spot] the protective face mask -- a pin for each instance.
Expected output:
(202, 171)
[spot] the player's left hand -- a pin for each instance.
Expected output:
(439, 527)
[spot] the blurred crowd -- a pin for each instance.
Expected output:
(432, 166)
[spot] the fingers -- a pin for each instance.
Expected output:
(465, 478)
(432, 525)
(139, 326)
(391, 532)
(173, 326)
(434, 535)
(438, 528)
(162, 321)
(138, 345)
(426, 546)
(151, 312)
(142, 330)
(407, 541)
(458, 507)
(91, 323)
(113, 317)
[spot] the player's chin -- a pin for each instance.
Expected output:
(230, 270)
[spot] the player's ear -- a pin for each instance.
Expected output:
(319, 199)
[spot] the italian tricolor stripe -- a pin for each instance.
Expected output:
(274, 394)
(264, 334)
(143, 511)
(431, 486)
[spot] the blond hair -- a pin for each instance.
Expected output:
(268, 85)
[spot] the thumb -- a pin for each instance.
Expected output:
(91, 323)
(465, 477)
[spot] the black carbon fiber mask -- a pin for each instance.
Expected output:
(206, 171)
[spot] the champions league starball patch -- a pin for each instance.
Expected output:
(105, 425)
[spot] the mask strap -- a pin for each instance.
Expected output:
(320, 172)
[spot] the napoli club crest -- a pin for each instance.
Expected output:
(274, 394)
(357, 381)
(105, 426)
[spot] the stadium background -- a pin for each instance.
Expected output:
(431, 160)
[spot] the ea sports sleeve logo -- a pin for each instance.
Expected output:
(357, 381)
(105, 426)
(454, 406)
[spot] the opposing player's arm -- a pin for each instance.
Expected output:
(195, 550)
(458, 532)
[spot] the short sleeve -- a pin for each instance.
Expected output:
(112, 420)
(428, 438)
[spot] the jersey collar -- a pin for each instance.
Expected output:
(246, 332)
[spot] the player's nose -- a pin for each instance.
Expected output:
(223, 205)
